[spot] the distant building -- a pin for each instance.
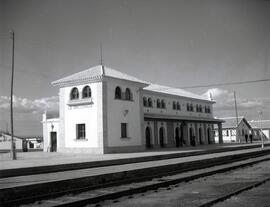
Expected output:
(103, 110)
(34, 142)
(5, 141)
(21, 143)
(261, 124)
(230, 130)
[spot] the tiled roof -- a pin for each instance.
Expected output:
(230, 122)
(96, 73)
(173, 91)
(265, 124)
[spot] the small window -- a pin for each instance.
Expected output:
(178, 107)
(118, 92)
(80, 128)
(158, 103)
(74, 94)
(205, 109)
(188, 108)
(191, 107)
(150, 104)
(145, 101)
(163, 105)
(174, 105)
(86, 92)
(200, 108)
(123, 130)
(128, 94)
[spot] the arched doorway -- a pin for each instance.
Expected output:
(200, 136)
(191, 137)
(161, 137)
(208, 136)
(181, 135)
(148, 137)
(177, 136)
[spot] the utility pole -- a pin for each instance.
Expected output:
(101, 55)
(236, 113)
(261, 132)
(13, 147)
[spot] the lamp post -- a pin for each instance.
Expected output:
(260, 114)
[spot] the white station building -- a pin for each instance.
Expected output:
(102, 110)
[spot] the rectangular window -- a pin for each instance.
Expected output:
(80, 134)
(123, 130)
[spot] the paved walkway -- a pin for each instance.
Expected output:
(34, 159)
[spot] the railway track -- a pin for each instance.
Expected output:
(95, 194)
(235, 192)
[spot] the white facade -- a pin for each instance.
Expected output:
(49, 125)
(113, 116)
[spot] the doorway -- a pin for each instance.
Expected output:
(148, 137)
(161, 137)
(177, 137)
(191, 137)
(200, 136)
(208, 136)
(53, 142)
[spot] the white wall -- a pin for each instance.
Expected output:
(123, 111)
(81, 114)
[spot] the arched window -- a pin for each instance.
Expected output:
(145, 101)
(74, 93)
(118, 92)
(150, 104)
(174, 105)
(178, 107)
(158, 103)
(128, 94)
(163, 105)
(86, 92)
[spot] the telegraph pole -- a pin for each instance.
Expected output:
(236, 113)
(13, 147)
(261, 132)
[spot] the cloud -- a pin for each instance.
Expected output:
(224, 105)
(24, 105)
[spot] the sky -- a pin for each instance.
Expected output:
(176, 43)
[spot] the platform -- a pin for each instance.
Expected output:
(39, 158)
(21, 185)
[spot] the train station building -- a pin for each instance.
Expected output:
(102, 110)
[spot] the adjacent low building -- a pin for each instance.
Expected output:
(103, 111)
(232, 132)
(5, 142)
